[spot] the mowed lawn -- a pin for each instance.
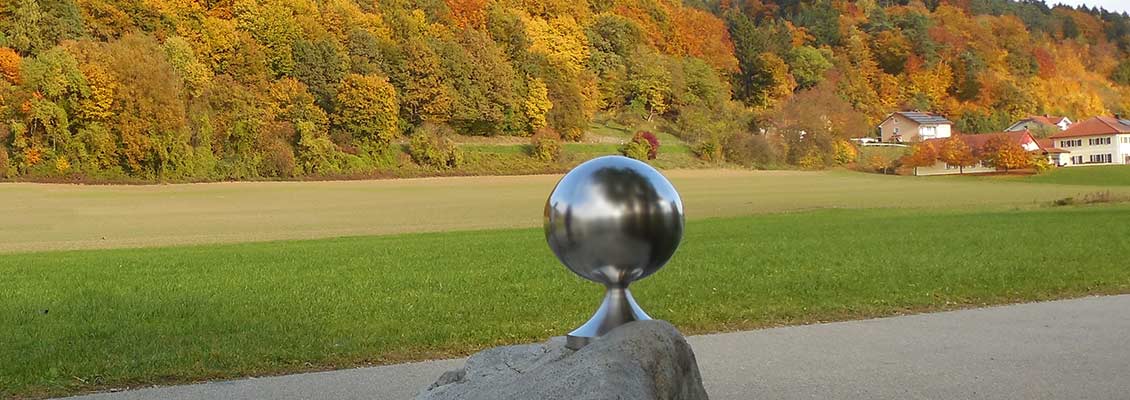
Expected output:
(40, 217)
(95, 319)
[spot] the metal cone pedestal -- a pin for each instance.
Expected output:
(618, 308)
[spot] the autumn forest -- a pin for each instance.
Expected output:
(197, 90)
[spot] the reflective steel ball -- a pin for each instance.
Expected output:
(613, 220)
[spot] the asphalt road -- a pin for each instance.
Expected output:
(1072, 349)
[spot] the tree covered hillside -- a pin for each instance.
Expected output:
(244, 89)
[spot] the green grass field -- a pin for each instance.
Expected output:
(80, 320)
(1110, 175)
(41, 217)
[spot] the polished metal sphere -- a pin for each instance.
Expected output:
(614, 220)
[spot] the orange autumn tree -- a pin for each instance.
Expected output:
(9, 65)
(1001, 152)
(954, 151)
(700, 34)
(921, 155)
(468, 13)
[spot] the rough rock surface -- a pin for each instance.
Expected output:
(640, 360)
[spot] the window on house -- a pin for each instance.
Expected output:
(1077, 159)
(1101, 158)
(1098, 141)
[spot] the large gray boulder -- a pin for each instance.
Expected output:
(642, 360)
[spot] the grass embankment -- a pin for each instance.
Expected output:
(56, 217)
(886, 153)
(511, 155)
(72, 321)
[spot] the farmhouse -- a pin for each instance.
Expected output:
(1039, 123)
(977, 144)
(913, 126)
(1096, 141)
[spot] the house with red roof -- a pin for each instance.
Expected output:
(977, 144)
(913, 126)
(1056, 156)
(1096, 141)
(1041, 123)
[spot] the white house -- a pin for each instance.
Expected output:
(1040, 122)
(913, 126)
(1056, 156)
(1096, 141)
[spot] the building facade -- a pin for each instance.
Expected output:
(1096, 141)
(913, 127)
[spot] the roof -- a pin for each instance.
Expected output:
(924, 118)
(1043, 120)
(1096, 126)
(1047, 119)
(1048, 146)
(978, 141)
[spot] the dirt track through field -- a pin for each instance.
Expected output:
(42, 217)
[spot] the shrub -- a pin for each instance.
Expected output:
(708, 150)
(643, 146)
(811, 160)
(1041, 164)
(546, 145)
(430, 147)
(4, 163)
(751, 151)
(652, 143)
(879, 164)
(636, 150)
(846, 153)
(278, 160)
(316, 153)
(62, 165)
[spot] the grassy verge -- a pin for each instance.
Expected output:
(82, 320)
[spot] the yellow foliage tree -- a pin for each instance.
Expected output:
(367, 108)
(537, 104)
(560, 40)
(99, 104)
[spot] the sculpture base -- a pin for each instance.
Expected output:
(618, 308)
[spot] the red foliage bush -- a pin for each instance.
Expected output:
(652, 143)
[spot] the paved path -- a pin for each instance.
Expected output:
(1072, 349)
